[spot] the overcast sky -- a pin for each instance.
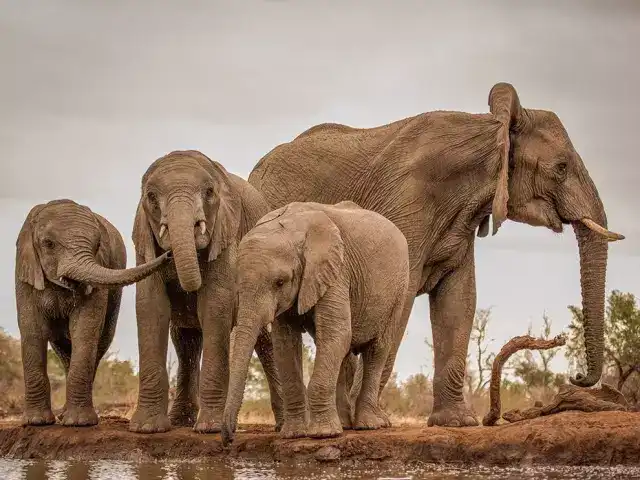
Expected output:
(92, 92)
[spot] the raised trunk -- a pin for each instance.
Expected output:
(181, 223)
(593, 268)
(91, 273)
(245, 336)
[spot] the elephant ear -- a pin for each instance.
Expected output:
(142, 236)
(28, 269)
(504, 104)
(322, 258)
(272, 215)
(104, 250)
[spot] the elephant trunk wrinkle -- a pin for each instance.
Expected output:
(181, 222)
(593, 263)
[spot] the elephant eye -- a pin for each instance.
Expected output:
(152, 197)
(48, 244)
(562, 168)
(279, 282)
(209, 192)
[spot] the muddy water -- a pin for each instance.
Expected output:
(252, 470)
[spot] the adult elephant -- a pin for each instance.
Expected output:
(70, 270)
(192, 206)
(439, 176)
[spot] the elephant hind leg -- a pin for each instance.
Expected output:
(264, 349)
(188, 345)
(62, 348)
(374, 358)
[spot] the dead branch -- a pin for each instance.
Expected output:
(512, 346)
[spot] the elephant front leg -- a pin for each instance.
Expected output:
(215, 311)
(85, 326)
(452, 306)
(188, 345)
(287, 348)
(333, 339)
(33, 339)
(153, 312)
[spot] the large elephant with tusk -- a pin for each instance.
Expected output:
(70, 270)
(192, 206)
(440, 176)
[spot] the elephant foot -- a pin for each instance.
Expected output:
(326, 425)
(345, 418)
(207, 423)
(38, 417)
(455, 415)
(143, 421)
(183, 414)
(295, 426)
(79, 417)
(367, 418)
(382, 416)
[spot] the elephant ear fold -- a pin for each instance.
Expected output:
(227, 220)
(28, 269)
(143, 237)
(104, 249)
(504, 104)
(322, 258)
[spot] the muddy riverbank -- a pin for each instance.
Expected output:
(570, 438)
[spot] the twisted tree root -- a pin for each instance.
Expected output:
(512, 346)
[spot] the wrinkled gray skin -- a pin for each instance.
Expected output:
(194, 207)
(338, 271)
(439, 176)
(70, 270)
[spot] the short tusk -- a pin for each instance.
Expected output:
(88, 289)
(269, 327)
(594, 227)
(203, 227)
(163, 228)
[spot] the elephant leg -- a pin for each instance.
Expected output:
(62, 348)
(343, 402)
(264, 349)
(85, 325)
(188, 345)
(33, 340)
(452, 305)
(333, 339)
(366, 412)
(215, 311)
(287, 349)
(153, 312)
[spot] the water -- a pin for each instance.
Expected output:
(252, 470)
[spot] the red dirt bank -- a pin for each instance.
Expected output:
(570, 438)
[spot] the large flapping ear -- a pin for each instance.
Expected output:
(322, 258)
(505, 106)
(142, 236)
(28, 268)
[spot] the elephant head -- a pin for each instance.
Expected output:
(68, 245)
(189, 203)
(543, 182)
(285, 261)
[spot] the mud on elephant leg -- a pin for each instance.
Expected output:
(452, 307)
(153, 311)
(188, 345)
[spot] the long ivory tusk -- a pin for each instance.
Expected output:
(593, 226)
(163, 229)
(203, 226)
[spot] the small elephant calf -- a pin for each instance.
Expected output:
(70, 270)
(339, 272)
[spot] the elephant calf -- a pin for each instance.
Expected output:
(70, 270)
(339, 272)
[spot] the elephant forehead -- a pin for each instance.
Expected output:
(182, 170)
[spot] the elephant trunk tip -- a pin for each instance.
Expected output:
(226, 434)
(584, 381)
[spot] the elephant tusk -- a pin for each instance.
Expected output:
(269, 327)
(163, 228)
(88, 289)
(594, 227)
(203, 227)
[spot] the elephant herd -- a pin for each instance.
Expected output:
(334, 233)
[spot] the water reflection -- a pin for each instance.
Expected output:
(252, 470)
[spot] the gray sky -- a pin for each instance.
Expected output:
(92, 92)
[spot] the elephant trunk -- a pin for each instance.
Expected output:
(181, 223)
(593, 266)
(91, 273)
(244, 338)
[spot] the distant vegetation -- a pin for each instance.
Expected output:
(530, 377)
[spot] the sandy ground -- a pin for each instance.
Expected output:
(569, 438)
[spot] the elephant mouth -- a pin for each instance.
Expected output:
(72, 285)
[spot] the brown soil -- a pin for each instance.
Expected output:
(568, 438)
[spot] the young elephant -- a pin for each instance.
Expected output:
(193, 206)
(70, 270)
(337, 271)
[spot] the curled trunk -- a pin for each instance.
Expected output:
(245, 336)
(92, 273)
(593, 266)
(181, 224)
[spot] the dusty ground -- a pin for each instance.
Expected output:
(569, 438)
